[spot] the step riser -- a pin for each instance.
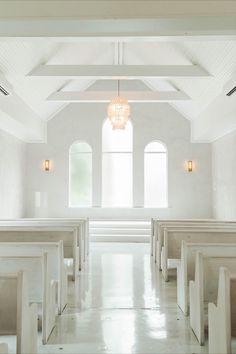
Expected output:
(140, 239)
(120, 231)
(117, 226)
(109, 231)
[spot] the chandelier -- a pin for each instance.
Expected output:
(118, 111)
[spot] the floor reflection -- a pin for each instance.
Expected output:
(120, 304)
(117, 289)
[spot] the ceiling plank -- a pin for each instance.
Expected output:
(17, 118)
(124, 72)
(217, 120)
(106, 96)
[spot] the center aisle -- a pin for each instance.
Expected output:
(120, 304)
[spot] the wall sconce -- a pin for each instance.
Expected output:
(190, 166)
(46, 165)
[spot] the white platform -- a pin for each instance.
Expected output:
(120, 231)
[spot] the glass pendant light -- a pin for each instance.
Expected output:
(118, 111)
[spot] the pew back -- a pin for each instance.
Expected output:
(173, 240)
(8, 303)
(204, 288)
(56, 266)
(41, 288)
(3, 348)
(32, 266)
(233, 305)
(222, 316)
(82, 226)
(160, 227)
(186, 266)
(17, 316)
(46, 234)
(211, 267)
(39, 234)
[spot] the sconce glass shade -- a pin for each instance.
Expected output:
(46, 165)
(118, 112)
(190, 166)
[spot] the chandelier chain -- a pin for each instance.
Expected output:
(118, 109)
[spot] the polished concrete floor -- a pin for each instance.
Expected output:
(121, 305)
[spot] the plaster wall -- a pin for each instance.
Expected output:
(189, 194)
(224, 172)
(12, 176)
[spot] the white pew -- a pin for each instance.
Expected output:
(222, 317)
(204, 288)
(82, 226)
(151, 237)
(186, 267)
(42, 289)
(17, 315)
(56, 267)
(81, 223)
(157, 223)
(159, 226)
(173, 240)
(3, 348)
(26, 233)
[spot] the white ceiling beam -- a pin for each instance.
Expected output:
(122, 30)
(106, 96)
(103, 9)
(124, 72)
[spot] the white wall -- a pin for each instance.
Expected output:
(12, 176)
(224, 177)
(189, 193)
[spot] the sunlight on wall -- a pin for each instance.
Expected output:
(80, 175)
(155, 175)
(117, 166)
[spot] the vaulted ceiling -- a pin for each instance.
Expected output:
(190, 72)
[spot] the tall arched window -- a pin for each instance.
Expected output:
(117, 166)
(155, 175)
(80, 185)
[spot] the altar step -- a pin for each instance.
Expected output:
(120, 231)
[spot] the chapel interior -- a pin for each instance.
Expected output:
(117, 176)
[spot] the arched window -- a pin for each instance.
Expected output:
(117, 166)
(155, 175)
(80, 193)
